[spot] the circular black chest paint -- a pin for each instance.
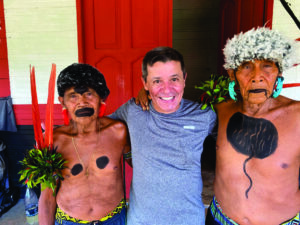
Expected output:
(102, 162)
(76, 169)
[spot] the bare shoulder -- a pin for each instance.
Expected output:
(292, 106)
(226, 106)
(61, 135)
(60, 132)
(113, 126)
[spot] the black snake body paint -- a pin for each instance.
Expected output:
(254, 137)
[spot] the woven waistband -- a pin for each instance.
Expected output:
(294, 221)
(220, 217)
(61, 215)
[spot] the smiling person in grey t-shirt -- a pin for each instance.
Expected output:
(167, 143)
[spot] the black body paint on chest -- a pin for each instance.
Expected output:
(254, 137)
(76, 169)
(102, 162)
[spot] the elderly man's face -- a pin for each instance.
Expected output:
(165, 83)
(81, 105)
(256, 80)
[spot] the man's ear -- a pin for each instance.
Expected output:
(61, 100)
(231, 74)
(144, 84)
(185, 76)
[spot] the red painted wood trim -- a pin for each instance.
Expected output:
(291, 85)
(23, 114)
(298, 39)
(170, 33)
(4, 73)
(79, 31)
(268, 13)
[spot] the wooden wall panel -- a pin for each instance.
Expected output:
(112, 70)
(145, 23)
(107, 19)
(23, 114)
(237, 16)
(134, 27)
(195, 35)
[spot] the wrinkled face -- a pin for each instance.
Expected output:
(256, 80)
(165, 83)
(81, 104)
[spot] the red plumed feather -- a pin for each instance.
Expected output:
(49, 110)
(36, 112)
(47, 141)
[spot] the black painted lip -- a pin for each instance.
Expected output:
(257, 90)
(84, 112)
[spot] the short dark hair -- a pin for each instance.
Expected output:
(80, 75)
(161, 54)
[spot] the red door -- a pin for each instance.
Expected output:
(114, 36)
(239, 15)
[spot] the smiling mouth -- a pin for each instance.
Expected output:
(167, 98)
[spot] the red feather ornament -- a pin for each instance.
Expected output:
(38, 135)
(42, 164)
(49, 111)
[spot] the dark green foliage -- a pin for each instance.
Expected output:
(214, 90)
(42, 167)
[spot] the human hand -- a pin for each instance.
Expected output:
(143, 99)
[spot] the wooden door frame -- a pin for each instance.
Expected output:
(80, 40)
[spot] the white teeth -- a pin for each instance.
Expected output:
(166, 98)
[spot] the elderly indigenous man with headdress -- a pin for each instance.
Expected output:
(258, 147)
(92, 189)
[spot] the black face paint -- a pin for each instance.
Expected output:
(102, 162)
(84, 112)
(76, 169)
(253, 137)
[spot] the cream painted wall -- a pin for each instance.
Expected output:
(283, 23)
(39, 33)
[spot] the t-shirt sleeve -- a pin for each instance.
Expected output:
(122, 112)
(212, 124)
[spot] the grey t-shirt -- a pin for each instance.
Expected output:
(166, 152)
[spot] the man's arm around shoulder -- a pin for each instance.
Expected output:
(121, 131)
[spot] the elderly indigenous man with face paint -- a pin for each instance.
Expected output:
(167, 142)
(258, 148)
(92, 189)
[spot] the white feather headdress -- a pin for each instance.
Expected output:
(260, 43)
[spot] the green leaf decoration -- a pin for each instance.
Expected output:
(42, 166)
(215, 90)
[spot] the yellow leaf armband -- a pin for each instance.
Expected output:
(127, 155)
